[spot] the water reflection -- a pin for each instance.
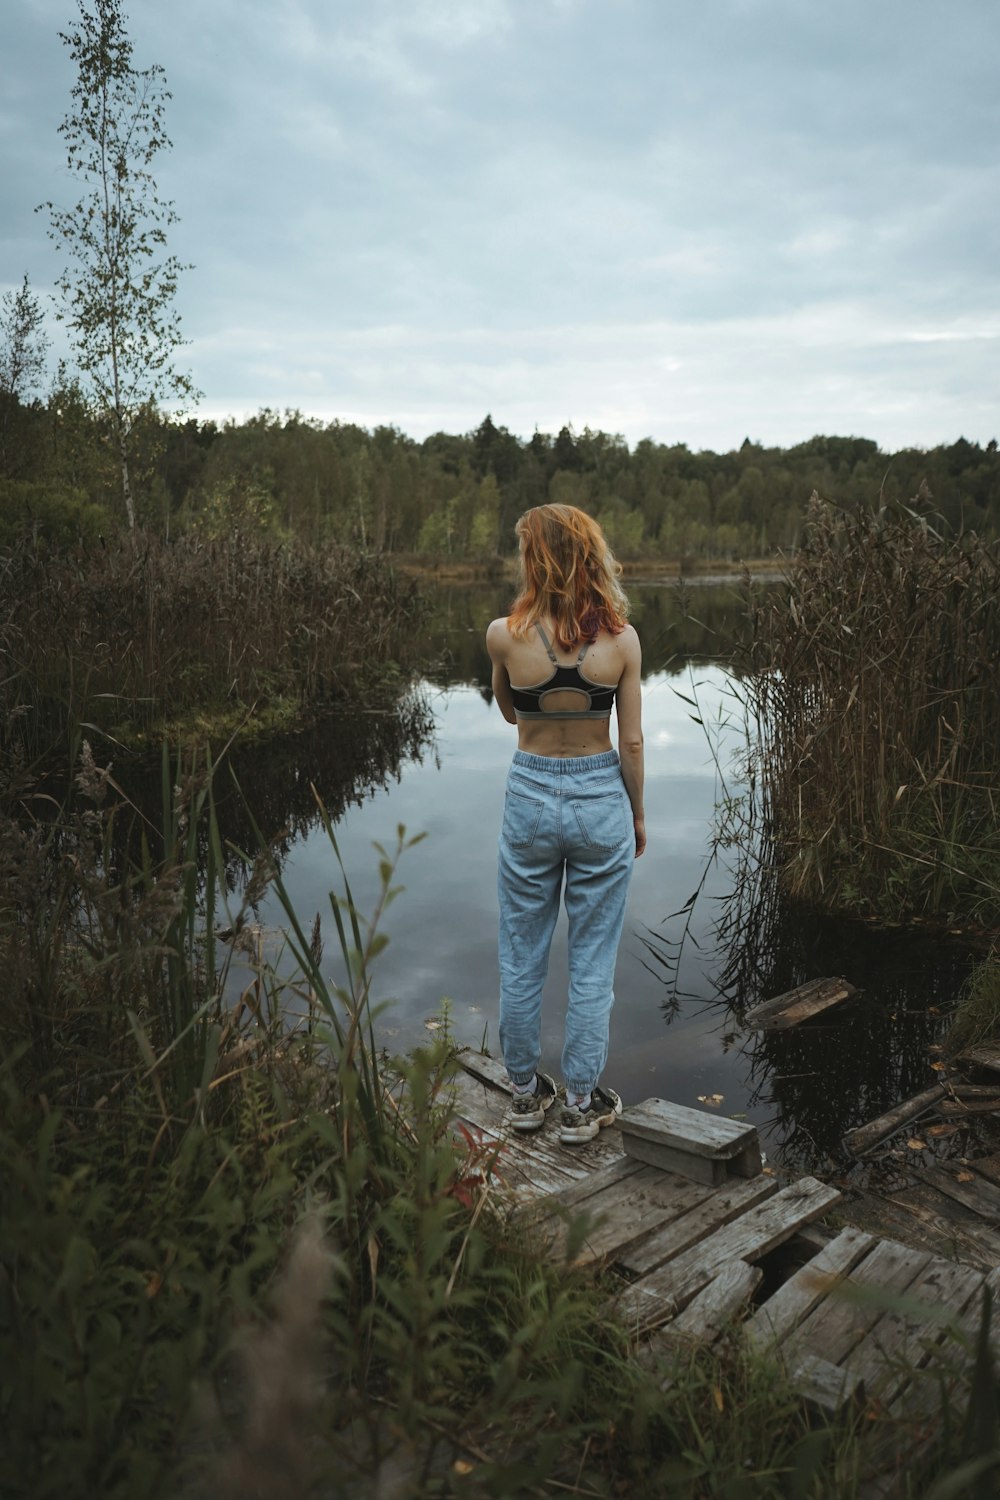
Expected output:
(677, 624)
(817, 1081)
(270, 783)
(707, 934)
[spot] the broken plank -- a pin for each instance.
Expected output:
(719, 1208)
(717, 1304)
(799, 1005)
(705, 1318)
(875, 1131)
(777, 1318)
(664, 1292)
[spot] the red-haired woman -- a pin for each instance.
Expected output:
(562, 659)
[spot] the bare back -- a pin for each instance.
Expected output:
(610, 661)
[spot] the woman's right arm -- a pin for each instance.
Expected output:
(628, 703)
(497, 640)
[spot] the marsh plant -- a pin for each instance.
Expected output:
(869, 695)
(116, 639)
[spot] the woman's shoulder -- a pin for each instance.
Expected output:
(498, 636)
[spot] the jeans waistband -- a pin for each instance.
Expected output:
(569, 765)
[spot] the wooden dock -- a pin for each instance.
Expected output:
(853, 1317)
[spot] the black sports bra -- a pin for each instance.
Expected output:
(528, 700)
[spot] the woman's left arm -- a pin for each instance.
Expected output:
(496, 640)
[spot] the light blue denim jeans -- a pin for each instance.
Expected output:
(563, 819)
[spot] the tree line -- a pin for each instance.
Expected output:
(455, 495)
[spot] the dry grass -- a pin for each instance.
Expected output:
(870, 694)
(124, 637)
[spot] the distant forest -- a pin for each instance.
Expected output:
(458, 495)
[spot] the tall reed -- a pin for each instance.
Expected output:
(869, 688)
(124, 638)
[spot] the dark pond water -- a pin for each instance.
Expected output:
(688, 967)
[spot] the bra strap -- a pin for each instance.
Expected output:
(546, 643)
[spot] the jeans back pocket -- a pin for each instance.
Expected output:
(521, 816)
(603, 821)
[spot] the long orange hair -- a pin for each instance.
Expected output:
(569, 573)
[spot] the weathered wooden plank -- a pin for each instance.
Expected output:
(982, 1057)
(785, 1309)
(987, 1167)
(799, 1004)
(529, 1166)
(720, 1207)
(875, 1131)
(978, 1194)
(717, 1304)
(902, 1338)
(707, 1170)
(952, 1229)
(664, 1292)
(632, 1213)
(489, 1069)
(957, 1109)
(622, 1207)
(574, 1197)
(705, 1318)
(839, 1323)
(917, 1406)
(684, 1129)
(823, 1386)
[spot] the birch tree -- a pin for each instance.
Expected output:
(117, 293)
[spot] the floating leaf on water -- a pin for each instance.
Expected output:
(432, 1024)
(916, 1144)
(714, 1099)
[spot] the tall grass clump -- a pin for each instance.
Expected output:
(240, 1248)
(126, 638)
(869, 688)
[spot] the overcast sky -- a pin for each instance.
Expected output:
(694, 220)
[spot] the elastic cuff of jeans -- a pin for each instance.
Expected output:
(520, 1081)
(582, 1089)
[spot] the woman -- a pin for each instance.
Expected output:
(562, 658)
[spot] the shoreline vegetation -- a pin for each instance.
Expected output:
(244, 1250)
